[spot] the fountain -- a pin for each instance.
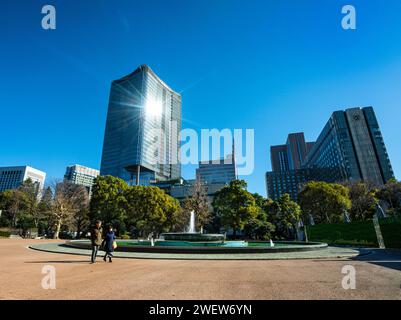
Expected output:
(192, 242)
(192, 235)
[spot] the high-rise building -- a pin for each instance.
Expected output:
(221, 171)
(290, 156)
(286, 160)
(141, 141)
(82, 176)
(351, 144)
(349, 148)
(13, 177)
(279, 158)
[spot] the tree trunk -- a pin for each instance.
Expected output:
(56, 234)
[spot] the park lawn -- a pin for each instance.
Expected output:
(358, 233)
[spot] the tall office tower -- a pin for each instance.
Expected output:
(141, 141)
(13, 177)
(221, 171)
(351, 148)
(290, 156)
(286, 160)
(82, 176)
(296, 147)
(279, 158)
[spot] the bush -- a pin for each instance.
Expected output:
(125, 236)
(5, 234)
(359, 233)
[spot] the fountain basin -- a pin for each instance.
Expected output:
(193, 237)
(183, 247)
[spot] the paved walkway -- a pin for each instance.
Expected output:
(378, 276)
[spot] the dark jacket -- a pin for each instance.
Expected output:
(108, 241)
(96, 236)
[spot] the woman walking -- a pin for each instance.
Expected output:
(108, 244)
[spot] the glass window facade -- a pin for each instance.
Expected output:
(142, 129)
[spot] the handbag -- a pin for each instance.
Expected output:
(114, 244)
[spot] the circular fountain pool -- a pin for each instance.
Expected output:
(210, 247)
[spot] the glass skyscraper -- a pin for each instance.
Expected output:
(141, 142)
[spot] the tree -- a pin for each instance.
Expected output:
(108, 201)
(235, 205)
(150, 210)
(199, 204)
(32, 194)
(13, 202)
(285, 214)
(326, 202)
(391, 194)
(363, 201)
(68, 200)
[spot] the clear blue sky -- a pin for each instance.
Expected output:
(273, 66)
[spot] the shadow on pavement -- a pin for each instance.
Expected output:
(386, 258)
(61, 261)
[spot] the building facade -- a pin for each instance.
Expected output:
(290, 156)
(287, 174)
(349, 148)
(82, 176)
(141, 142)
(221, 171)
(352, 146)
(13, 177)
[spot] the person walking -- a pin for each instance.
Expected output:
(96, 239)
(108, 244)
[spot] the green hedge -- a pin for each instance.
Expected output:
(5, 234)
(358, 233)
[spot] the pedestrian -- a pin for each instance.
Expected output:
(109, 244)
(96, 239)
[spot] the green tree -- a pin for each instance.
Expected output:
(285, 215)
(363, 201)
(391, 194)
(32, 194)
(326, 202)
(151, 210)
(108, 202)
(13, 203)
(235, 206)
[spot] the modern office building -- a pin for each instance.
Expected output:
(286, 161)
(82, 176)
(141, 142)
(13, 177)
(352, 146)
(290, 156)
(221, 171)
(279, 183)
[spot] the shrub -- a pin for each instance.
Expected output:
(5, 234)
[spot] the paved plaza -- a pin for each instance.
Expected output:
(378, 276)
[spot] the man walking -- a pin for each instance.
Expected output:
(96, 238)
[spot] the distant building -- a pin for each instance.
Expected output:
(13, 177)
(350, 148)
(141, 141)
(221, 171)
(286, 160)
(290, 156)
(352, 145)
(82, 176)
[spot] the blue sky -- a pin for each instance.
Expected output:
(273, 66)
